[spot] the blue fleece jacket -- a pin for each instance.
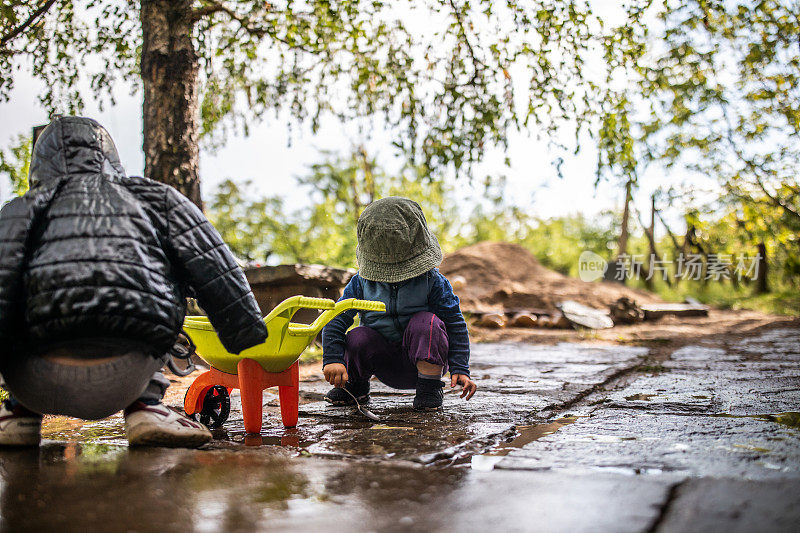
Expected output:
(430, 292)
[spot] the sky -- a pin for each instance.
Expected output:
(272, 162)
(268, 158)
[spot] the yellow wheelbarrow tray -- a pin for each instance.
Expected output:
(274, 362)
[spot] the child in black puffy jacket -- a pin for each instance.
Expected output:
(95, 268)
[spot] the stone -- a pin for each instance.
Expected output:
(273, 284)
(585, 316)
(625, 311)
(458, 283)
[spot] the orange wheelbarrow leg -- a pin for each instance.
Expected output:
(251, 386)
(290, 397)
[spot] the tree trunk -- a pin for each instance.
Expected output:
(762, 287)
(622, 243)
(678, 247)
(369, 175)
(650, 233)
(170, 68)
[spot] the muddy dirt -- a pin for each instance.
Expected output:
(500, 276)
(671, 332)
(567, 436)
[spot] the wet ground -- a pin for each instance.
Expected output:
(571, 437)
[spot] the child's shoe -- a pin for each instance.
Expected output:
(359, 389)
(429, 395)
(158, 425)
(19, 426)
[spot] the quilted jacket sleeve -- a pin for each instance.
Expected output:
(16, 219)
(209, 269)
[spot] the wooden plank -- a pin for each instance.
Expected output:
(524, 320)
(656, 311)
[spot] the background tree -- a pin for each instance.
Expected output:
(260, 229)
(246, 224)
(448, 78)
(722, 100)
(15, 163)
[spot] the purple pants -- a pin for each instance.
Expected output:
(367, 353)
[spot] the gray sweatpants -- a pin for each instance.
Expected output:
(90, 392)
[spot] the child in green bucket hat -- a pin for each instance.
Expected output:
(421, 335)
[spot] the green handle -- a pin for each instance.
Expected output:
(330, 314)
(289, 306)
(315, 303)
(368, 305)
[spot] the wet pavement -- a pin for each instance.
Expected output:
(571, 437)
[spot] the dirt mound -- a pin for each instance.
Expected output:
(505, 277)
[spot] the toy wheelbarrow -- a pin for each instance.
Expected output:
(272, 363)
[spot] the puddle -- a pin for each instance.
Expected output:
(789, 419)
(750, 448)
(106, 431)
(526, 435)
(640, 397)
(630, 471)
(384, 426)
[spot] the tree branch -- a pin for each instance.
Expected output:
(475, 61)
(777, 201)
(212, 6)
(35, 15)
(755, 169)
(669, 231)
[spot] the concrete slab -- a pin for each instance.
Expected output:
(752, 377)
(555, 502)
(111, 488)
(655, 457)
(634, 442)
(733, 506)
(707, 416)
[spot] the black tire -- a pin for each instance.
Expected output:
(216, 407)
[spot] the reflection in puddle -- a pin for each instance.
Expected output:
(78, 486)
(750, 448)
(106, 431)
(525, 435)
(384, 426)
(629, 471)
(789, 419)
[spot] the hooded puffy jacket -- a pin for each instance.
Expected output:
(89, 252)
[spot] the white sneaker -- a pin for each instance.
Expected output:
(158, 425)
(18, 426)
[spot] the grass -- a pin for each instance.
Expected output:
(657, 368)
(312, 354)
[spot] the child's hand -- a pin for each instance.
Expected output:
(335, 374)
(468, 387)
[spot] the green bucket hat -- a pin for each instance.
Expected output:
(394, 242)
